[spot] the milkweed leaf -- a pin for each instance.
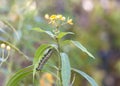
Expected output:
(65, 70)
(90, 79)
(18, 76)
(80, 46)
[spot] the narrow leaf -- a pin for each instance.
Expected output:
(66, 69)
(38, 56)
(47, 32)
(38, 29)
(55, 47)
(18, 76)
(50, 33)
(80, 46)
(90, 80)
(39, 52)
(62, 34)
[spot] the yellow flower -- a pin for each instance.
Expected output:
(63, 18)
(58, 20)
(70, 22)
(59, 16)
(53, 17)
(46, 16)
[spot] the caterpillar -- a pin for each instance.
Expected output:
(44, 59)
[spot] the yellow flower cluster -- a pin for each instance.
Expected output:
(70, 22)
(53, 19)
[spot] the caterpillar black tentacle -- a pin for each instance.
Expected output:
(44, 59)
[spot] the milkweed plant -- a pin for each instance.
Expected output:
(45, 51)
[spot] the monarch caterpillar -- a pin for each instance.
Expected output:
(44, 59)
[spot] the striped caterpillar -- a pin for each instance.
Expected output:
(44, 59)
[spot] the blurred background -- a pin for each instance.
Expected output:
(96, 26)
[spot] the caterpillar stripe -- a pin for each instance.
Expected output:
(44, 59)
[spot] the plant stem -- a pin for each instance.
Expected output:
(59, 62)
(2, 59)
(2, 53)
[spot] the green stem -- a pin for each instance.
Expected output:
(59, 62)
(7, 56)
(2, 53)
(2, 58)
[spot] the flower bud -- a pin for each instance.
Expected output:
(8, 48)
(3, 45)
(46, 16)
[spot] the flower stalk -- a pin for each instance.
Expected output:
(3, 58)
(57, 21)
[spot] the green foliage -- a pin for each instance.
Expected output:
(65, 70)
(59, 36)
(20, 75)
(47, 32)
(62, 34)
(90, 80)
(38, 56)
(97, 30)
(80, 46)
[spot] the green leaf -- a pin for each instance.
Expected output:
(66, 69)
(90, 80)
(38, 29)
(50, 33)
(38, 56)
(80, 46)
(47, 32)
(55, 47)
(65, 42)
(62, 34)
(39, 52)
(18, 76)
